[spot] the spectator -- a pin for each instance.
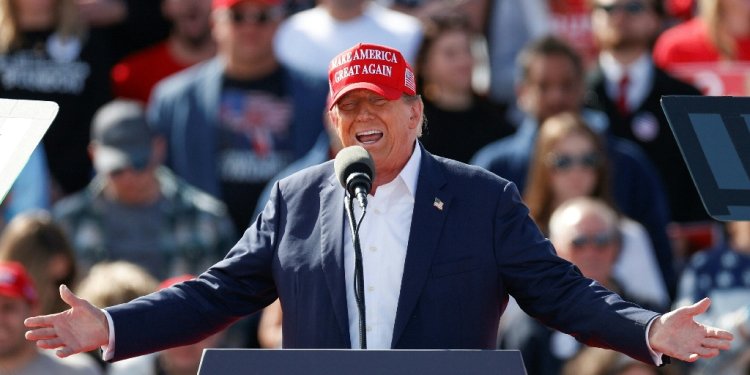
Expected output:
(586, 232)
(553, 82)
(40, 245)
(569, 161)
(235, 121)
(308, 40)
(189, 42)
(47, 53)
(460, 122)
(721, 32)
(628, 88)
(723, 273)
(136, 209)
(18, 300)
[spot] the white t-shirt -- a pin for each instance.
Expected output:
(308, 40)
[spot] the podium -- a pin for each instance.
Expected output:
(360, 362)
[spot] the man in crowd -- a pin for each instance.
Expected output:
(137, 210)
(235, 121)
(441, 282)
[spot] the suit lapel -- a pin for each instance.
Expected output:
(431, 206)
(332, 251)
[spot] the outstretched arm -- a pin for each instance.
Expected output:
(81, 328)
(678, 335)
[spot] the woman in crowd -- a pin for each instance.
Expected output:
(570, 161)
(459, 121)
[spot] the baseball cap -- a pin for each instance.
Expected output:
(122, 136)
(16, 283)
(380, 69)
(219, 4)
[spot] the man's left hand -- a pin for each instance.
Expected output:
(679, 336)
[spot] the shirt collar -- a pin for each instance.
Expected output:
(410, 172)
(614, 71)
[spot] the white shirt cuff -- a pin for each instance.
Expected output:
(655, 356)
(108, 351)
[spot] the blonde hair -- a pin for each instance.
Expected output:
(113, 283)
(68, 24)
(710, 11)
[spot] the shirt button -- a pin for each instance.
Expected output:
(370, 288)
(369, 329)
(378, 211)
(373, 249)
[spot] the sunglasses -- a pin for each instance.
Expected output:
(631, 7)
(262, 17)
(563, 162)
(598, 241)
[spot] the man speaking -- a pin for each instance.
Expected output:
(443, 245)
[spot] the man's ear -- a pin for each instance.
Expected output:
(416, 108)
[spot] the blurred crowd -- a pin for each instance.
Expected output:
(177, 116)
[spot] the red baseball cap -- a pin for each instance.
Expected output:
(380, 69)
(218, 4)
(16, 283)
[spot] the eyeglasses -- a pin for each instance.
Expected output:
(631, 7)
(563, 162)
(599, 240)
(262, 17)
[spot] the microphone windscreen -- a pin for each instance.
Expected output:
(353, 159)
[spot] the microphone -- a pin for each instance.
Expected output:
(356, 171)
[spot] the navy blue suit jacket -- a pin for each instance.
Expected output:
(462, 262)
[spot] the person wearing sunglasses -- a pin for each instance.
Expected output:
(235, 121)
(628, 86)
(570, 161)
(552, 81)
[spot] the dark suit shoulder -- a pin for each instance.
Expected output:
(672, 85)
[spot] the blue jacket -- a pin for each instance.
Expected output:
(462, 262)
(184, 108)
(637, 188)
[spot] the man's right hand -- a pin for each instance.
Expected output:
(81, 328)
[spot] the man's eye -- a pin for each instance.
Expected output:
(379, 101)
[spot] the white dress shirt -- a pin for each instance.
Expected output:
(640, 77)
(384, 236)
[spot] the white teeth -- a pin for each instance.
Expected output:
(369, 132)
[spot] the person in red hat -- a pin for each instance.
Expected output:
(443, 248)
(19, 300)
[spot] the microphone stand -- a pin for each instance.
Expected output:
(359, 283)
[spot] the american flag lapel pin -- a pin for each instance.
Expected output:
(438, 204)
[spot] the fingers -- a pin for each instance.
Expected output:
(38, 321)
(64, 352)
(699, 307)
(713, 332)
(53, 343)
(68, 296)
(41, 334)
(712, 343)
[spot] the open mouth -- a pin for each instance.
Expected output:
(369, 137)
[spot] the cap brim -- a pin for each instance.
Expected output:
(109, 159)
(386, 92)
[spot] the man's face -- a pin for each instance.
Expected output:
(552, 86)
(244, 33)
(590, 244)
(387, 129)
(619, 24)
(12, 313)
(191, 19)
